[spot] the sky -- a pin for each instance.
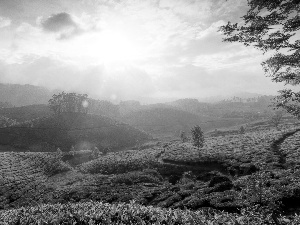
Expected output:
(147, 50)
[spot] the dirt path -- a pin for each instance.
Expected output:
(275, 146)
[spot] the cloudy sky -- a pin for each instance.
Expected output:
(135, 49)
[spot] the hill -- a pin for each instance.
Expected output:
(131, 213)
(23, 176)
(191, 105)
(5, 105)
(162, 121)
(247, 108)
(25, 113)
(80, 130)
(20, 95)
(242, 174)
(167, 121)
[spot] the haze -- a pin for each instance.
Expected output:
(119, 50)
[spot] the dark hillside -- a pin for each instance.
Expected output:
(25, 113)
(5, 105)
(79, 130)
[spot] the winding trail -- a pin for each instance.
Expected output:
(275, 146)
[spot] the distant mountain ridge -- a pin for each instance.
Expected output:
(21, 95)
(157, 119)
(218, 98)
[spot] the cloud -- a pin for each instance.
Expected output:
(122, 83)
(63, 24)
(59, 22)
(4, 22)
(198, 82)
(179, 50)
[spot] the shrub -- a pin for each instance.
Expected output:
(218, 179)
(197, 136)
(135, 178)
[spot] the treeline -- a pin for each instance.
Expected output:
(69, 102)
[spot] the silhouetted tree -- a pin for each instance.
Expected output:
(183, 136)
(242, 130)
(96, 152)
(68, 102)
(271, 25)
(197, 137)
(59, 153)
(276, 119)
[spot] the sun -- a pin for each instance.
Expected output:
(110, 46)
(116, 46)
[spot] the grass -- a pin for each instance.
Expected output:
(122, 162)
(251, 147)
(132, 213)
(291, 148)
(158, 176)
(71, 129)
(23, 176)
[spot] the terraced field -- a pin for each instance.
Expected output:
(251, 147)
(120, 162)
(290, 147)
(23, 176)
(102, 213)
(168, 175)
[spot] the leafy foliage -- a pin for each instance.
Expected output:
(122, 176)
(197, 136)
(68, 102)
(242, 130)
(122, 162)
(272, 26)
(23, 176)
(183, 136)
(132, 213)
(276, 118)
(75, 129)
(136, 177)
(290, 148)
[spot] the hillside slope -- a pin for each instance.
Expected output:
(79, 130)
(161, 121)
(166, 121)
(24, 113)
(20, 95)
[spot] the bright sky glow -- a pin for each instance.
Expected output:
(111, 46)
(145, 50)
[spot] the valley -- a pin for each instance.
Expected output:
(111, 158)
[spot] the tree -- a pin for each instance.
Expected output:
(183, 136)
(276, 118)
(271, 26)
(72, 150)
(58, 153)
(96, 153)
(197, 137)
(242, 130)
(69, 102)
